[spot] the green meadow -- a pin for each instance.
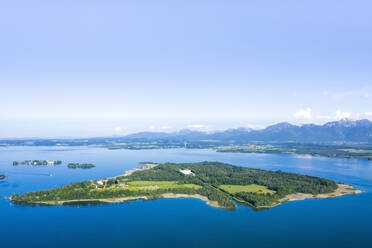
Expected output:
(251, 188)
(154, 185)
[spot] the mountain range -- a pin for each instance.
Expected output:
(344, 130)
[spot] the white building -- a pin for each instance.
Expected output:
(102, 181)
(186, 172)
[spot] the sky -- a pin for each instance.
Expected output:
(100, 68)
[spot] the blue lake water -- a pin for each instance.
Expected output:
(335, 222)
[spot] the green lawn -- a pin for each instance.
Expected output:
(154, 185)
(253, 188)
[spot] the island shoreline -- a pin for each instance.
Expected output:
(343, 189)
(127, 199)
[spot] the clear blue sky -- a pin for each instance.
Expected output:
(94, 68)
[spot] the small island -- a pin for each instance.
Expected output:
(219, 184)
(37, 162)
(80, 166)
(2, 176)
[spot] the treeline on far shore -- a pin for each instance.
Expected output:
(52, 162)
(80, 166)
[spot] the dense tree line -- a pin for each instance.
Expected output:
(81, 166)
(363, 151)
(216, 173)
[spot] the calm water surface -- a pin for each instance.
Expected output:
(336, 222)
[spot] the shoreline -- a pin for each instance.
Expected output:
(132, 198)
(343, 189)
(102, 200)
(196, 196)
(147, 167)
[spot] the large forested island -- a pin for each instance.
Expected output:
(219, 184)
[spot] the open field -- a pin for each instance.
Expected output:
(252, 188)
(154, 185)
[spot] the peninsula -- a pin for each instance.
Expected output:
(219, 184)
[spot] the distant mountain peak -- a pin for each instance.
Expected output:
(343, 122)
(348, 123)
(280, 126)
(344, 130)
(364, 122)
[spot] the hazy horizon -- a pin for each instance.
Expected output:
(195, 127)
(85, 69)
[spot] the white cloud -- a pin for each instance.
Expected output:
(197, 126)
(303, 113)
(368, 113)
(342, 115)
(117, 129)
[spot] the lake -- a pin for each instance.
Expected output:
(335, 222)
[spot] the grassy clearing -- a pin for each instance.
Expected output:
(154, 185)
(252, 188)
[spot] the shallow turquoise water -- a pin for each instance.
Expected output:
(336, 222)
